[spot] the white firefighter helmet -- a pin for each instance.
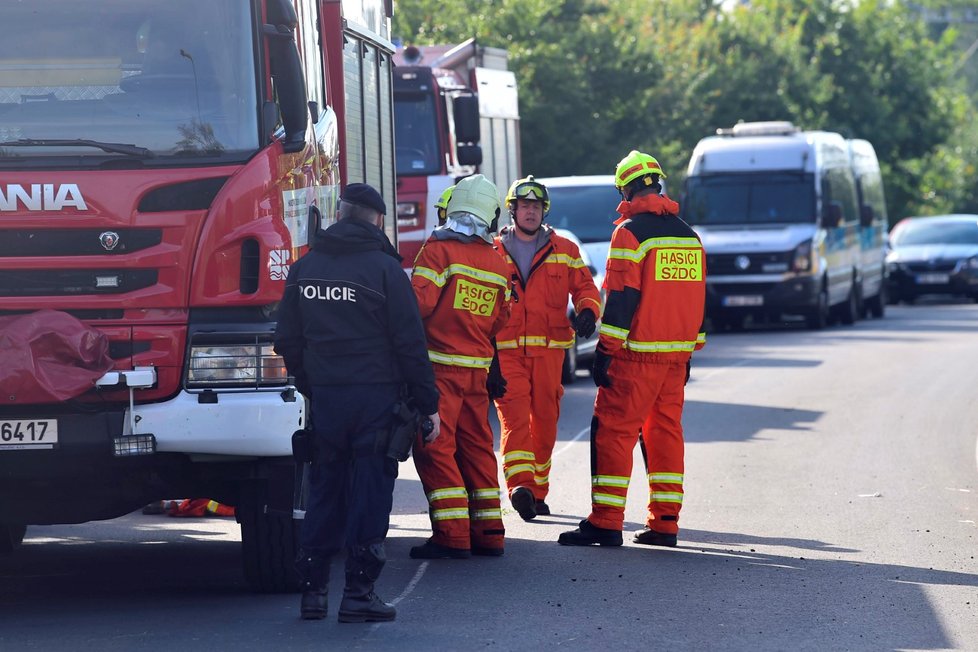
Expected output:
(478, 196)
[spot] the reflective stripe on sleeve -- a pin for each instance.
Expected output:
(658, 347)
(613, 331)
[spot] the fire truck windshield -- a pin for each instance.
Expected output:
(416, 135)
(145, 78)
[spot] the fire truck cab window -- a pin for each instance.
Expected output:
(175, 78)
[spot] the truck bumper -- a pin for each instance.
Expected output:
(251, 424)
(206, 445)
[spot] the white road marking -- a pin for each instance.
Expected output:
(413, 583)
(577, 437)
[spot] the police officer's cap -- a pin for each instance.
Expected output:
(364, 195)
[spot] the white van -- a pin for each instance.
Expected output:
(873, 226)
(778, 213)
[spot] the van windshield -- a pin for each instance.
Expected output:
(587, 211)
(750, 199)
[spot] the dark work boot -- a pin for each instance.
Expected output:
(360, 603)
(649, 537)
(543, 509)
(524, 503)
(431, 550)
(589, 535)
(313, 579)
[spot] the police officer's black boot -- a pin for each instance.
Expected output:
(360, 603)
(313, 571)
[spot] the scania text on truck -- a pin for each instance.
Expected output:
(456, 113)
(777, 210)
(161, 166)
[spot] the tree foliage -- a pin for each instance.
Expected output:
(600, 77)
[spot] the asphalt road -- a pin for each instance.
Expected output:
(831, 504)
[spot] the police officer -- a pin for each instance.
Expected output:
(351, 335)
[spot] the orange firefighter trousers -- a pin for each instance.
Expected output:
(528, 416)
(458, 470)
(648, 397)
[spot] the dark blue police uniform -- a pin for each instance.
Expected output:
(351, 334)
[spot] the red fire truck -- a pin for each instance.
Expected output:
(456, 113)
(161, 166)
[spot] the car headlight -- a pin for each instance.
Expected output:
(240, 365)
(972, 262)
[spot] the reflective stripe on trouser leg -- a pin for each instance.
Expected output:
(448, 502)
(545, 411)
(662, 433)
(619, 412)
(477, 461)
(513, 410)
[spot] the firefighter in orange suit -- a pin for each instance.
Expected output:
(544, 268)
(462, 289)
(652, 323)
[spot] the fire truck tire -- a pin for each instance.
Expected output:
(11, 536)
(269, 542)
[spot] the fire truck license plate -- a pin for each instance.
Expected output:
(28, 433)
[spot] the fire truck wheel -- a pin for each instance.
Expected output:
(11, 536)
(269, 541)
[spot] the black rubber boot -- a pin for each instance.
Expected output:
(313, 571)
(589, 535)
(524, 503)
(360, 603)
(648, 537)
(431, 550)
(543, 509)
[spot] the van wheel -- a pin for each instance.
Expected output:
(269, 543)
(818, 316)
(849, 311)
(11, 536)
(568, 373)
(876, 305)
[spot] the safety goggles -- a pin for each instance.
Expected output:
(530, 191)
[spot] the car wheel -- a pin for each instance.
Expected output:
(568, 373)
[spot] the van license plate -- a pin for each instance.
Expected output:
(933, 279)
(28, 433)
(740, 301)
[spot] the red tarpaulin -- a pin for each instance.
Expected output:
(49, 356)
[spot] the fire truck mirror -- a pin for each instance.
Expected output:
(466, 110)
(469, 155)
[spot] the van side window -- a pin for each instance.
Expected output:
(839, 186)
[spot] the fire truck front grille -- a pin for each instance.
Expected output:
(50, 283)
(34, 243)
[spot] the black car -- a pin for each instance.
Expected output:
(933, 255)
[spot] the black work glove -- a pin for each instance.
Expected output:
(495, 383)
(688, 365)
(584, 323)
(599, 369)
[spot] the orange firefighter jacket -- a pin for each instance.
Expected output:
(656, 284)
(539, 320)
(463, 293)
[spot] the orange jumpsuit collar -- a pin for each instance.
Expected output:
(656, 204)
